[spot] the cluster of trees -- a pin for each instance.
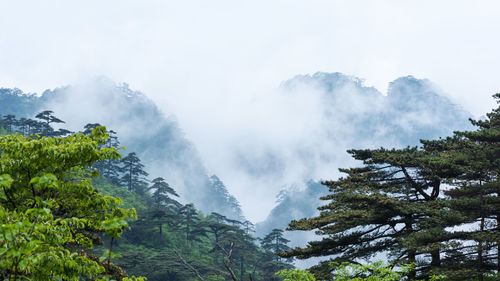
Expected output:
(436, 206)
(175, 241)
(41, 125)
(70, 189)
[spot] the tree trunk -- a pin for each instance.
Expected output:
(480, 242)
(436, 258)
(411, 254)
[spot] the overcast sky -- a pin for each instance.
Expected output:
(199, 57)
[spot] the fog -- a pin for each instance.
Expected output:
(218, 67)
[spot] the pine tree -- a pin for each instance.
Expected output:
(474, 196)
(164, 204)
(190, 224)
(133, 173)
(47, 118)
(216, 224)
(248, 226)
(33, 127)
(110, 168)
(397, 203)
(162, 192)
(22, 125)
(9, 120)
(388, 205)
(275, 242)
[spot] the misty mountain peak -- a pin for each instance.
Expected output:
(409, 92)
(13, 92)
(15, 101)
(329, 82)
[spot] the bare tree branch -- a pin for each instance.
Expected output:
(227, 260)
(189, 266)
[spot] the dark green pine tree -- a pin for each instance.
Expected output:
(269, 260)
(33, 127)
(162, 193)
(216, 225)
(390, 205)
(47, 119)
(165, 208)
(22, 125)
(248, 226)
(275, 242)
(245, 252)
(61, 132)
(110, 168)
(9, 122)
(475, 197)
(133, 174)
(189, 224)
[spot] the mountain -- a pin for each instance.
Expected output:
(14, 101)
(294, 202)
(327, 113)
(141, 127)
(356, 116)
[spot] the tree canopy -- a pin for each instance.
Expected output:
(50, 213)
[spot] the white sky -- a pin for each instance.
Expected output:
(205, 60)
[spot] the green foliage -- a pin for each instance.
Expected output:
(59, 214)
(377, 271)
(50, 214)
(296, 275)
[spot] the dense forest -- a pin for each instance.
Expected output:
(73, 208)
(105, 197)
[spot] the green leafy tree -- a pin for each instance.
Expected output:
(296, 275)
(50, 214)
(377, 271)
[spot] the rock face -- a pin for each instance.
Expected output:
(356, 116)
(141, 127)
